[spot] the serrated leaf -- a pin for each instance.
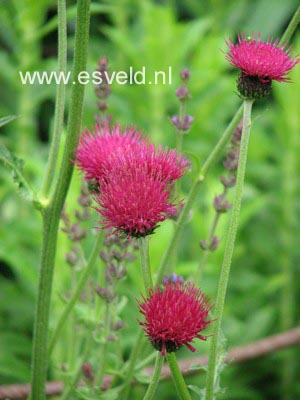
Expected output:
(16, 165)
(6, 120)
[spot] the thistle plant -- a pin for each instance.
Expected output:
(130, 187)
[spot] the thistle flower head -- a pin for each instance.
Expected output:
(96, 147)
(135, 178)
(265, 60)
(175, 316)
(160, 163)
(260, 63)
(134, 201)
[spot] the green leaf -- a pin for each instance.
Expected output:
(6, 120)
(16, 165)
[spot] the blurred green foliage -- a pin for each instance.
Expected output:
(263, 294)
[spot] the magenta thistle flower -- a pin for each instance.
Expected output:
(260, 63)
(95, 151)
(162, 164)
(134, 178)
(134, 201)
(175, 316)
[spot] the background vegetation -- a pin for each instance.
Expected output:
(263, 295)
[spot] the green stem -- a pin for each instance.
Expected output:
(60, 99)
(178, 380)
(223, 281)
(155, 378)
(80, 286)
(52, 212)
(291, 28)
(212, 158)
(148, 284)
(217, 150)
(289, 192)
(145, 263)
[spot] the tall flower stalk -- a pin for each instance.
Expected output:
(52, 210)
(60, 100)
(260, 63)
(224, 276)
(155, 378)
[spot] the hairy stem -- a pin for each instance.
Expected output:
(148, 284)
(145, 263)
(224, 276)
(155, 378)
(178, 380)
(60, 99)
(52, 212)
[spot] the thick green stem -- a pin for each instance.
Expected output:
(60, 99)
(155, 378)
(145, 263)
(224, 276)
(79, 288)
(291, 28)
(178, 380)
(194, 192)
(52, 212)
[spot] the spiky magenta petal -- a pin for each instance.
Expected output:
(175, 315)
(135, 178)
(96, 148)
(265, 60)
(133, 200)
(106, 148)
